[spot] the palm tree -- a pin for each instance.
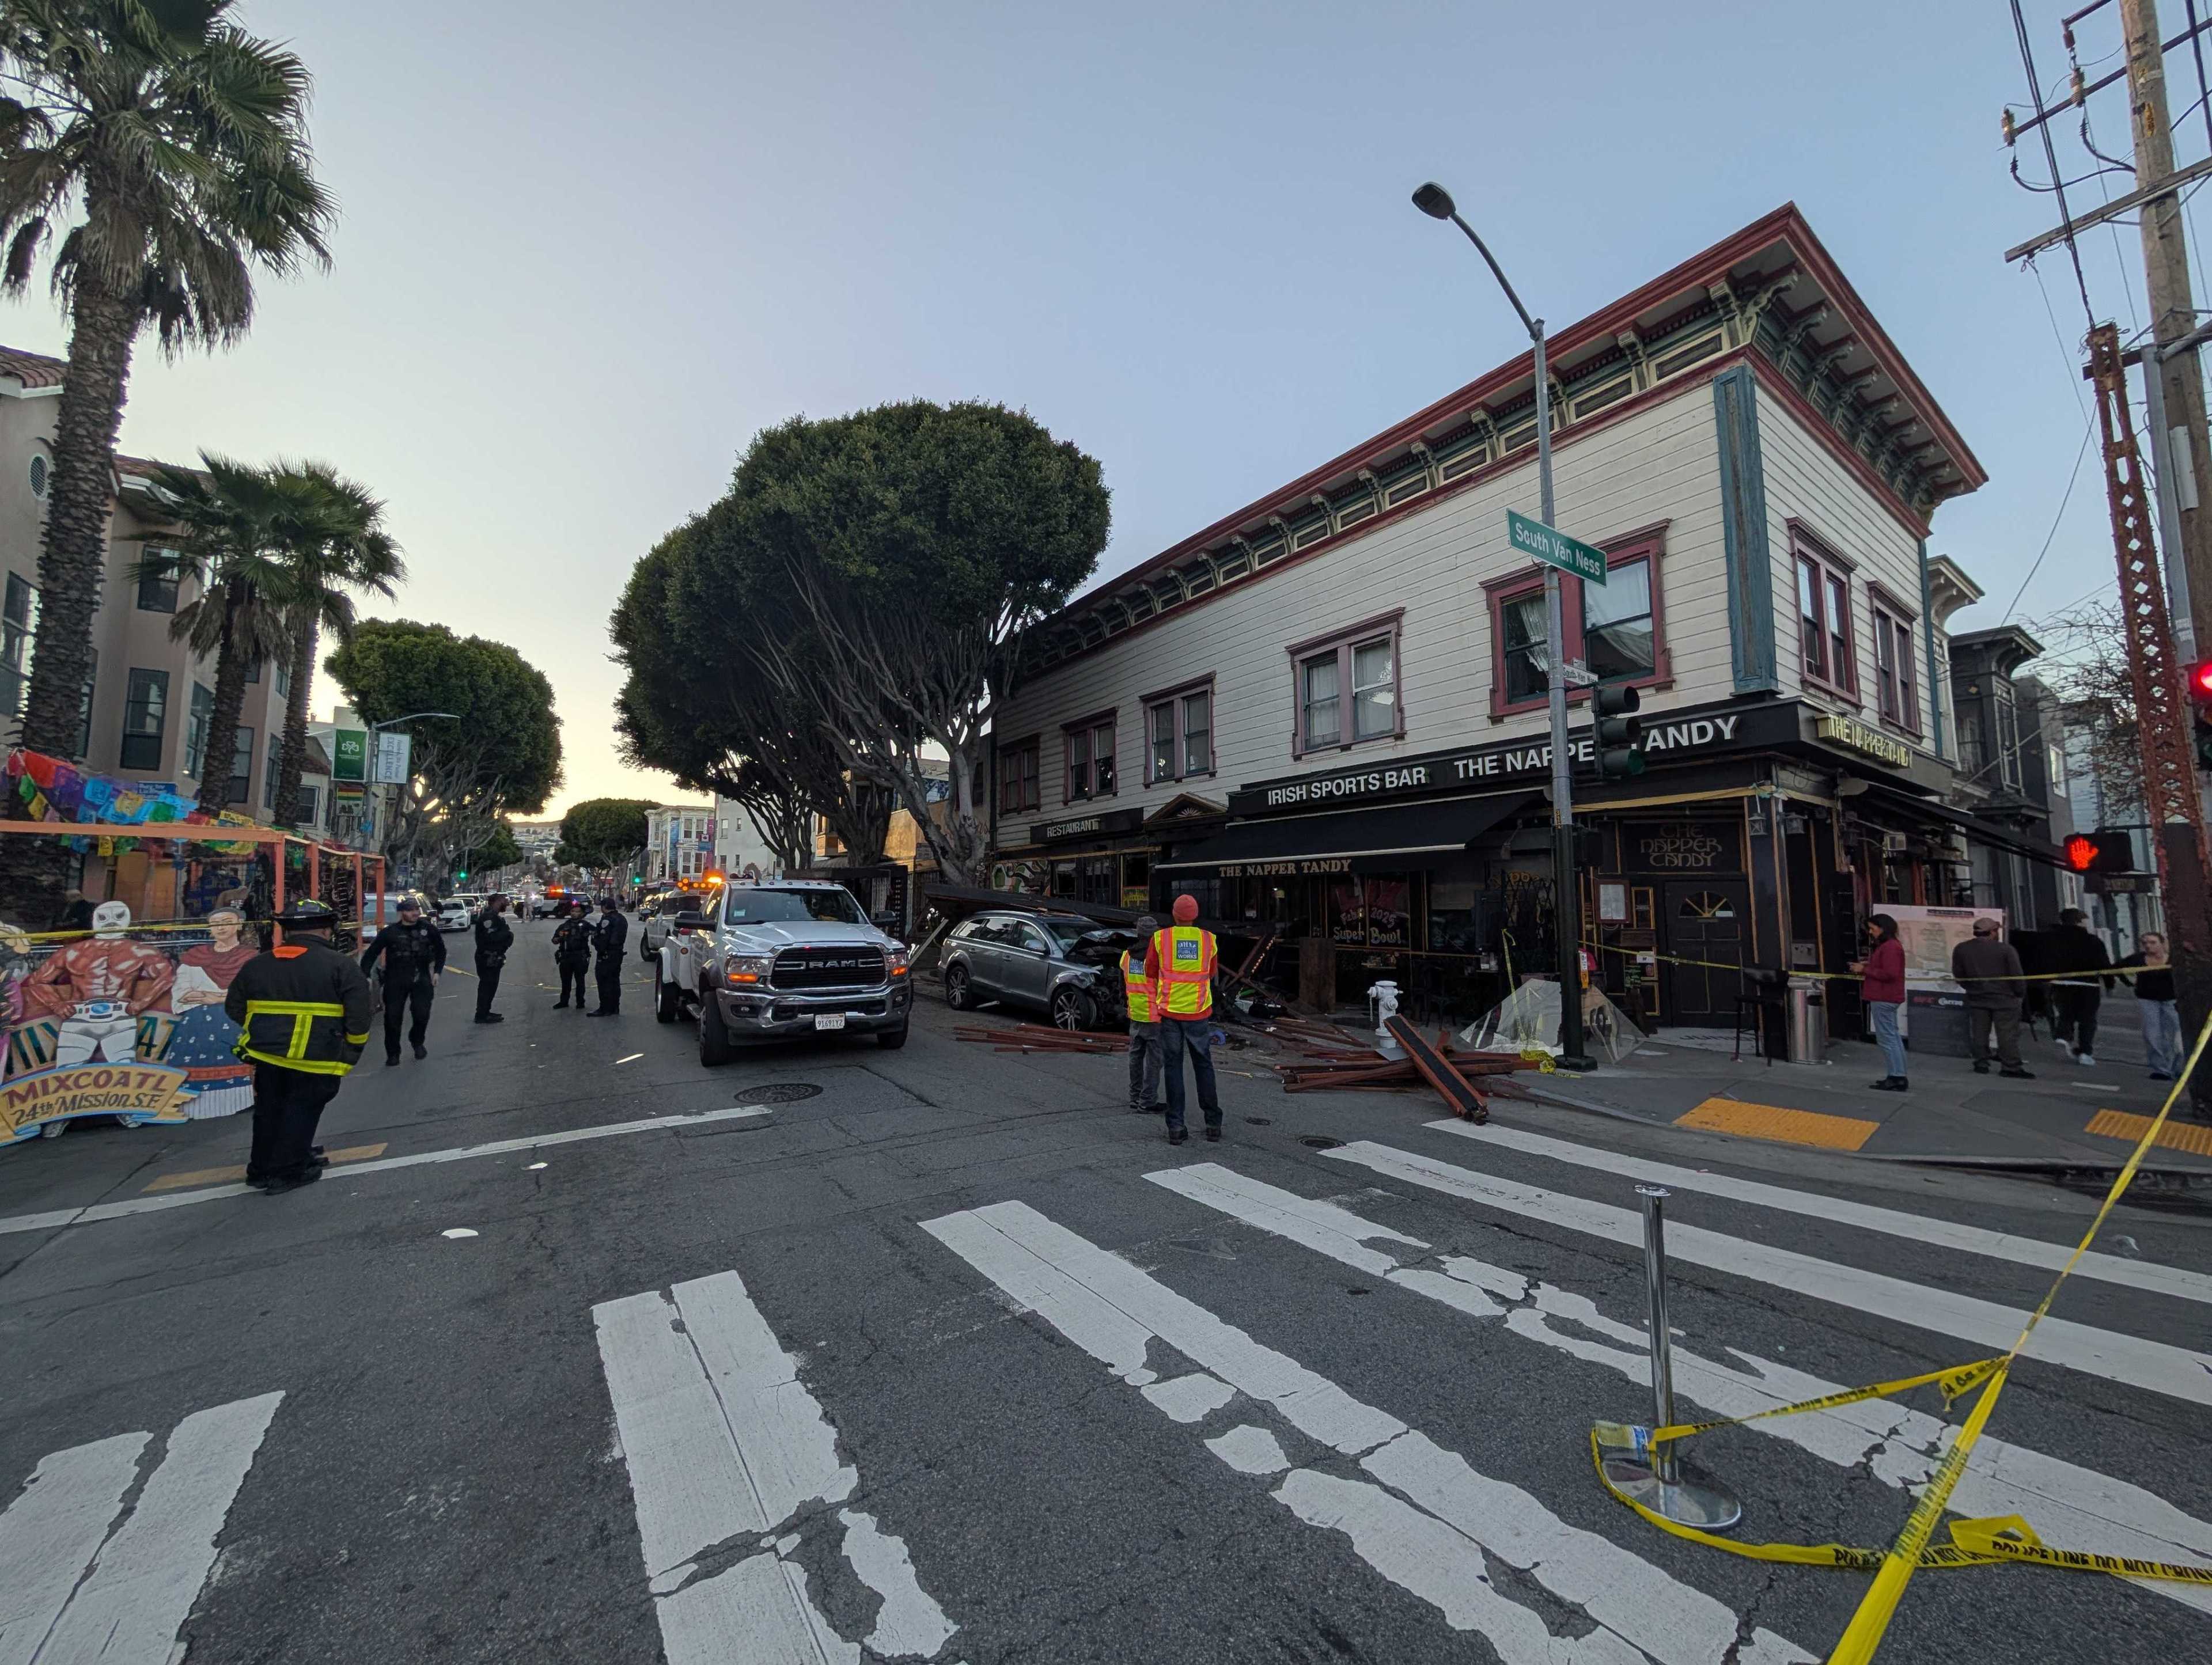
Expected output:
(232, 527)
(167, 148)
(336, 542)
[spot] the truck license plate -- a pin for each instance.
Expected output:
(838, 1022)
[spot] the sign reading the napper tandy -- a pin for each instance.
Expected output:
(1510, 761)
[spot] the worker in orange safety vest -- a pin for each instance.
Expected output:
(1144, 1022)
(1180, 962)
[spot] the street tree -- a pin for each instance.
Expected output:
(2086, 664)
(500, 755)
(161, 152)
(908, 549)
(602, 832)
(701, 702)
(495, 850)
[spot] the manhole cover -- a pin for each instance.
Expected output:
(779, 1092)
(1320, 1142)
(1260, 1121)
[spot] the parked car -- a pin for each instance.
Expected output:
(790, 957)
(658, 913)
(453, 915)
(1061, 965)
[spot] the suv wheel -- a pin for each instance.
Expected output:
(1071, 1008)
(957, 994)
(713, 1033)
(667, 999)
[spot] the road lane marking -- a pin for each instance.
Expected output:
(1779, 1126)
(2145, 1275)
(1434, 1545)
(725, 1448)
(51, 1530)
(1900, 1447)
(632, 1058)
(2125, 1358)
(128, 1598)
(54, 1218)
(235, 1175)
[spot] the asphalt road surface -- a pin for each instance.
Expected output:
(583, 1352)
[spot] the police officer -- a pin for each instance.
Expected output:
(414, 954)
(608, 936)
(303, 1011)
(572, 950)
(495, 936)
(1179, 962)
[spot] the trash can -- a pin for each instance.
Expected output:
(1808, 1025)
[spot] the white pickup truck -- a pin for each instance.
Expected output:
(782, 958)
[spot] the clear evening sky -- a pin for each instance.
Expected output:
(587, 251)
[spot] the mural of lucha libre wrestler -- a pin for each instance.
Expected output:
(97, 987)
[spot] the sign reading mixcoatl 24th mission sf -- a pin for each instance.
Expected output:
(1555, 547)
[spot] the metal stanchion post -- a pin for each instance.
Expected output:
(1654, 1475)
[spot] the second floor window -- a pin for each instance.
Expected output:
(157, 583)
(196, 728)
(1090, 760)
(1179, 728)
(19, 626)
(1018, 777)
(145, 720)
(1616, 629)
(1348, 688)
(1899, 699)
(241, 766)
(1824, 622)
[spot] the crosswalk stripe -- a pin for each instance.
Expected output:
(2145, 1275)
(726, 1449)
(2117, 1357)
(1425, 1519)
(2074, 1506)
(126, 1598)
(49, 1533)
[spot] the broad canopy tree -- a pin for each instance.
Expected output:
(499, 755)
(602, 832)
(862, 589)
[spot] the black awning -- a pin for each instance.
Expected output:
(1387, 839)
(2002, 838)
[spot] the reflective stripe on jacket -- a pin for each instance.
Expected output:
(1137, 988)
(1183, 971)
(303, 1007)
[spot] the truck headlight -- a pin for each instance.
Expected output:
(896, 959)
(747, 968)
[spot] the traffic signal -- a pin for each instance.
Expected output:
(461, 877)
(2200, 710)
(2101, 853)
(1619, 744)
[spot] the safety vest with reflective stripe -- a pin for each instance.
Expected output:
(1137, 988)
(1183, 971)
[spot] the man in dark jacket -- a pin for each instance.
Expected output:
(608, 937)
(302, 1011)
(495, 936)
(2075, 998)
(572, 951)
(1988, 968)
(414, 954)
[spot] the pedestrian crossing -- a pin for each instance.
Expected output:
(767, 1534)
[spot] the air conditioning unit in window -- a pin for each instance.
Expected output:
(1894, 843)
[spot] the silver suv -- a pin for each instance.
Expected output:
(788, 957)
(1060, 964)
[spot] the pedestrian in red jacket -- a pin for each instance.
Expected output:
(1881, 986)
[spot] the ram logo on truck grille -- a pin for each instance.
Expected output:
(828, 967)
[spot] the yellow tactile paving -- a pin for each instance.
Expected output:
(233, 1176)
(1771, 1122)
(2119, 1124)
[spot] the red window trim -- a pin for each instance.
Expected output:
(1146, 704)
(1091, 725)
(1889, 614)
(998, 786)
(1806, 546)
(1644, 544)
(1391, 625)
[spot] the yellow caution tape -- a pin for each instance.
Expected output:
(1994, 1541)
(2084, 978)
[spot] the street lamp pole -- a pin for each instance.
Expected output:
(1432, 199)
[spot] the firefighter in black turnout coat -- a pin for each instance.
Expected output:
(608, 936)
(302, 1011)
(495, 936)
(414, 954)
(572, 951)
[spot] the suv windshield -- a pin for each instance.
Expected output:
(784, 907)
(1065, 932)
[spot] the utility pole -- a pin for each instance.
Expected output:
(2184, 445)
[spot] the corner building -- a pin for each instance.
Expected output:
(1326, 711)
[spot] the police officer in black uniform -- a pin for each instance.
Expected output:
(608, 936)
(414, 954)
(495, 936)
(302, 1011)
(572, 951)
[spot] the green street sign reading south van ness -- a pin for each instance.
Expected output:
(1554, 547)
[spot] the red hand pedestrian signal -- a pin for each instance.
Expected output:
(2101, 852)
(2080, 853)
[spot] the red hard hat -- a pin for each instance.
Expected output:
(1185, 909)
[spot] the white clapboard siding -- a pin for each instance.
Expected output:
(1660, 464)
(1807, 481)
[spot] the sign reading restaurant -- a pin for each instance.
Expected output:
(1510, 761)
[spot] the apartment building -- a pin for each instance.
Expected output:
(679, 843)
(1325, 714)
(146, 709)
